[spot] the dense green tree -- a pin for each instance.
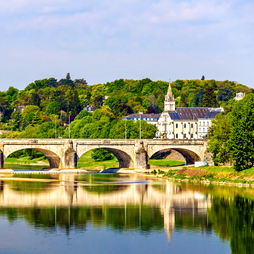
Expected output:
(218, 138)
(17, 119)
(225, 94)
(98, 94)
(199, 98)
(209, 98)
(179, 84)
(67, 81)
(82, 114)
(37, 119)
(30, 109)
(35, 99)
(183, 101)
(29, 117)
(101, 155)
(241, 138)
(53, 108)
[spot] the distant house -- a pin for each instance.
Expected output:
(4, 132)
(239, 96)
(89, 108)
(20, 108)
(149, 118)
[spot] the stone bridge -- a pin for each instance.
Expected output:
(131, 153)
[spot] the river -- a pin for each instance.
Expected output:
(119, 213)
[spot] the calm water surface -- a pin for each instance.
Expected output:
(113, 213)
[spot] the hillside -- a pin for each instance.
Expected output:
(49, 104)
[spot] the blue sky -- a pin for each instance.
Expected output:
(105, 40)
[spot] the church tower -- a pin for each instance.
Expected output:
(169, 103)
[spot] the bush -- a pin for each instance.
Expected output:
(102, 155)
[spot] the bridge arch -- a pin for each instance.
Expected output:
(189, 155)
(125, 160)
(53, 158)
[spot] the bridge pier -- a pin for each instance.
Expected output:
(1, 160)
(141, 157)
(70, 157)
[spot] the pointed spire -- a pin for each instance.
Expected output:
(169, 103)
(169, 96)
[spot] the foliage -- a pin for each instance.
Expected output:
(209, 97)
(218, 138)
(101, 155)
(241, 137)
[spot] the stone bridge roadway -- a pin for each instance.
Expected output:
(131, 153)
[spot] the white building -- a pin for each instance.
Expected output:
(184, 123)
(239, 96)
(149, 118)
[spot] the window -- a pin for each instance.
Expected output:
(203, 123)
(184, 135)
(151, 119)
(192, 125)
(207, 123)
(199, 129)
(176, 135)
(176, 126)
(184, 125)
(191, 135)
(203, 129)
(148, 119)
(135, 119)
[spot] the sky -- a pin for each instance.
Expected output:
(102, 41)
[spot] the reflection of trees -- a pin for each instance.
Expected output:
(233, 219)
(26, 186)
(191, 219)
(103, 189)
(143, 218)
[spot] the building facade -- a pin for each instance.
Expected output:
(179, 123)
(239, 96)
(184, 123)
(149, 118)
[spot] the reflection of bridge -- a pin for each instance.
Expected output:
(69, 192)
(63, 153)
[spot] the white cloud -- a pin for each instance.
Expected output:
(125, 36)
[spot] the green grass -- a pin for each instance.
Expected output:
(165, 162)
(26, 160)
(86, 162)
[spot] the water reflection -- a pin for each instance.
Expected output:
(130, 203)
(69, 200)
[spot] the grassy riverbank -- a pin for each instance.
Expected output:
(213, 174)
(86, 162)
(27, 161)
(165, 162)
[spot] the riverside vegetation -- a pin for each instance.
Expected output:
(51, 105)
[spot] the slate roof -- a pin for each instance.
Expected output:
(142, 116)
(192, 113)
(211, 114)
(181, 114)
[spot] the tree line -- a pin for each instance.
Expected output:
(232, 134)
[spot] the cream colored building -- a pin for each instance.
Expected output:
(239, 96)
(184, 123)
